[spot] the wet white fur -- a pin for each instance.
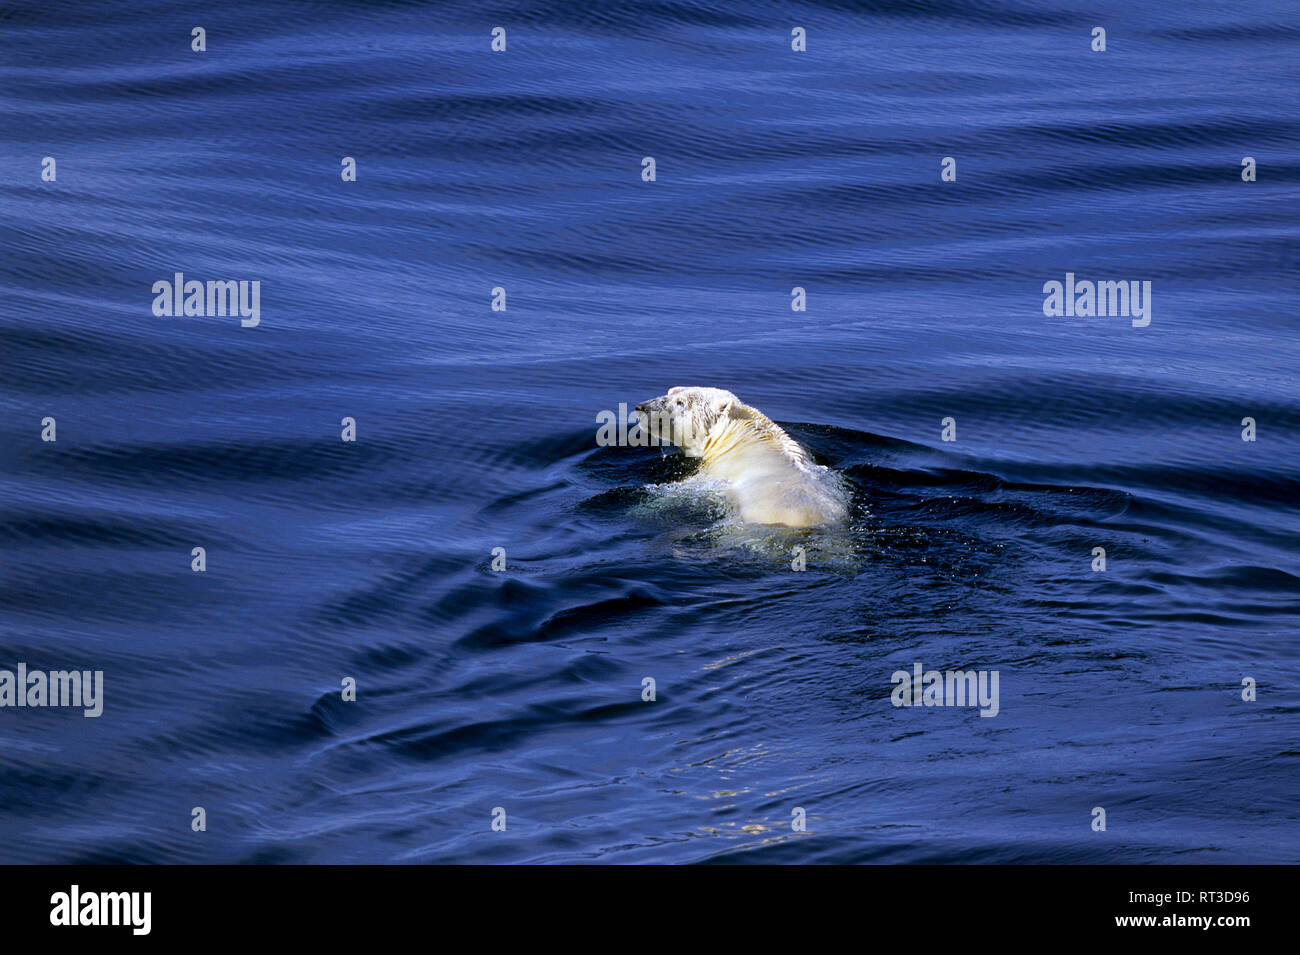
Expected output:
(768, 476)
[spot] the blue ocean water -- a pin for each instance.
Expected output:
(521, 689)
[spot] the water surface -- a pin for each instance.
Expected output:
(476, 429)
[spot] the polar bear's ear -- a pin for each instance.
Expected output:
(673, 391)
(726, 407)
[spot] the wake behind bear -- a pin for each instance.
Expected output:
(769, 478)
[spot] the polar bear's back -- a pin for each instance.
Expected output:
(772, 480)
(807, 496)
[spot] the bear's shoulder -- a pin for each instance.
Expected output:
(769, 430)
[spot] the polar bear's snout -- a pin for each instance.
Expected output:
(644, 411)
(650, 409)
(680, 418)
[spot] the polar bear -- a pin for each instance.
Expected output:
(768, 476)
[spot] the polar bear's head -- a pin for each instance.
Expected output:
(685, 416)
